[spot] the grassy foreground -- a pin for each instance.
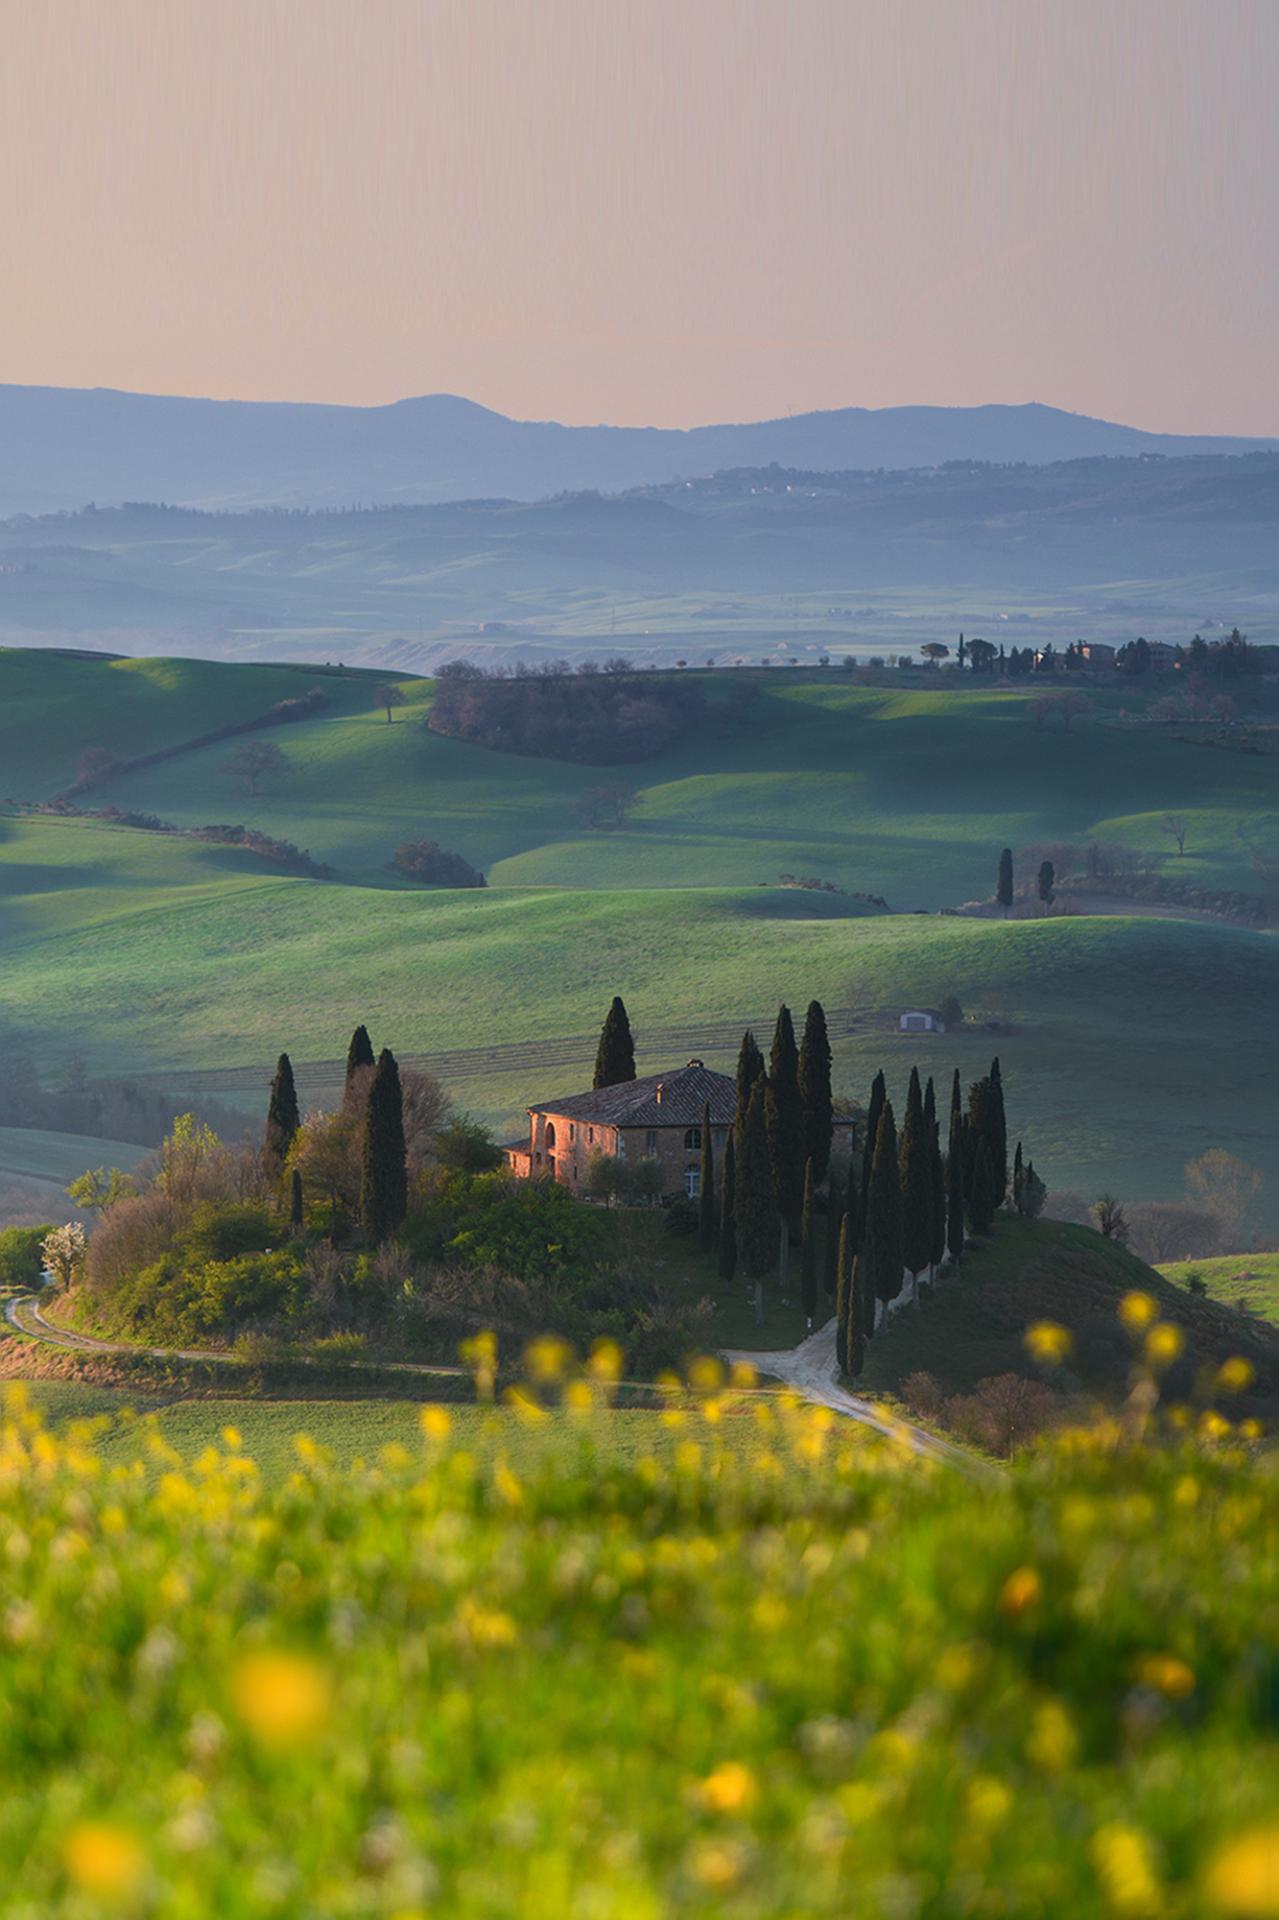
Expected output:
(809, 1679)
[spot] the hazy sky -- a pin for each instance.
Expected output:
(663, 211)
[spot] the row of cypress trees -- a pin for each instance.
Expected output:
(384, 1184)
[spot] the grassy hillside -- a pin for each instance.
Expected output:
(164, 958)
(975, 1323)
(41, 1155)
(1247, 1280)
(905, 794)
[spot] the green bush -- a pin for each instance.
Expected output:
(531, 1229)
(20, 1261)
(171, 1302)
(222, 1230)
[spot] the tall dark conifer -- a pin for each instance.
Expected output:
(707, 1216)
(937, 1181)
(878, 1094)
(916, 1170)
(1004, 882)
(981, 1199)
(297, 1211)
(998, 1136)
(756, 1207)
(615, 1055)
(384, 1172)
(814, 1090)
(282, 1116)
(843, 1297)
(955, 1176)
(358, 1054)
(750, 1068)
(808, 1255)
(728, 1210)
(830, 1245)
(784, 1113)
(855, 1224)
(882, 1235)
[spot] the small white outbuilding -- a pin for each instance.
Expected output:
(921, 1022)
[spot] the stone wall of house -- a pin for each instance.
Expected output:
(562, 1146)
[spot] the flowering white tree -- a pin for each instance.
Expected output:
(62, 1251)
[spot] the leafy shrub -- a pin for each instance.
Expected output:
(530, 1229)
(175, 1304)
(221, 1231)
(600, 719)
(20, 1260)
(432, 865)
(464, 1146)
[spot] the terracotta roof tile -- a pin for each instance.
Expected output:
(684, 1091)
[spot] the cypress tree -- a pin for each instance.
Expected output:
(755, 1209)
(857, 1318)
(358, 1054)
(282, 1116)
(784, 1113)
(384, 1174)
(1004, 883)
(843, 1298)
(955, 1177)
(856, 1224)
(937, 1173)
(834, 1214)
(297, 1214)
(814, 1090)
(1019, 1175)
(878, 1094)
(916, 1170)
(882, 1233)
(981, 1203)
(808, 1258)
(615, 1056)
(998, 1138)
(750, 1067)
(727, 1211)
(706, 1214)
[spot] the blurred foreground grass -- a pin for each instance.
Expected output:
(811, 1676)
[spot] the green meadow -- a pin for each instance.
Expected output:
(1247, 1280)
(1130, 1044)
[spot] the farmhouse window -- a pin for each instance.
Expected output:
(650, 1140)
(692, 1139)
(692, 1181)
(550, 1133)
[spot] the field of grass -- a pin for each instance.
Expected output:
(1120, 1065)
(692, 1681)
(40, 1155)
(1248, 1280)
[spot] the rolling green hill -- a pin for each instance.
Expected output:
(1130, 1044)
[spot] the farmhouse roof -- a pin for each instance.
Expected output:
(672, 1099)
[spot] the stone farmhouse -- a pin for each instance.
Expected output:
(656, 1118)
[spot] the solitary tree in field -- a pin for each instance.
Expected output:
(882, 1229)
(808, 1256)
(1046, 884)
(255, 761)
(728, 1211)
(706, 1214)
(388, 697)
(615, 1056)
(784, 1113)
(607, 805)
(1004, 883)
(814, 1090)
(935, 651)
(1109, 1215)
(756, 1207)
(1175, 825)
(358, 1055)
(283, 1117)
(384, 1171)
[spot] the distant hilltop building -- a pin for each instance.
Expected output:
(656, 1118)
(924, 1020)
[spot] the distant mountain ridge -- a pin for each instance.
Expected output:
(62, 448)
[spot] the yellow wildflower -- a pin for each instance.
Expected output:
(231, 1439)
(1020, 1590)
(547, 1358)
(1243, 1876)
(1167, 1675)
(104, 1861)
(1212, 1426)
(1125, 1866)
(716, 1865)
(283, 1698)
(1163, 1343)
(1137, 1310)
(742, 1374)
(989, 1800)
(435, 1422)
(1235, 1375)
(730, 1789)
(605, 1362)
(1053, 1739)
(1048, 1343)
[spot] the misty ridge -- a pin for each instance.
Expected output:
(61, 448)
